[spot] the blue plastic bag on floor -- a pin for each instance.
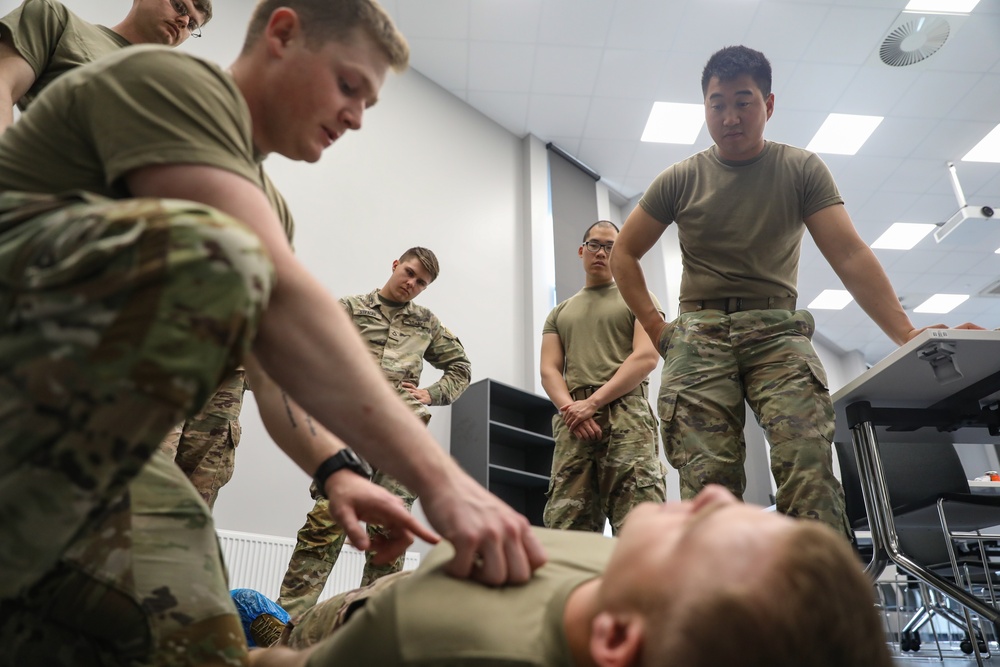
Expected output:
(251, 604)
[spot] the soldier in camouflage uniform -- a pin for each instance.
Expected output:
(595, 361)
(400, 336)
(741, 208)
(42, 39)
(123, 314)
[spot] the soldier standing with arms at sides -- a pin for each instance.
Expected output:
(400, 335)
(595, 363)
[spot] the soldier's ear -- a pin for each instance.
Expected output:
(395, 263)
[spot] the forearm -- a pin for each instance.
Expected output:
(555, 387)
(306, 442)
(632, 285)
(867, 282)
(629, 375)
(455, 380)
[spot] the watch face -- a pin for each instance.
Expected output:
(358, 463)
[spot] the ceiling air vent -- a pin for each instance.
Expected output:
(913, 38)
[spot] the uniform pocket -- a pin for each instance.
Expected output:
(663, 343)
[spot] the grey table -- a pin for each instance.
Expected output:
(942, 386)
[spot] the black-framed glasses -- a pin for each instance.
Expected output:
(182, 10)
(596, 246)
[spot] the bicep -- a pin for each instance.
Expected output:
(220, 189)
(639, 233)
(834, 233)
(552, 352)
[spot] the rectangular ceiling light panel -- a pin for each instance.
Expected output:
(843, 134)
(674, 123)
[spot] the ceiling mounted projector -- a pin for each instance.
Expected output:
(965, 212)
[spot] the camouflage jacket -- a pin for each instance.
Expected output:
(401, 344)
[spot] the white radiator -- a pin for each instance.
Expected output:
(259, 562)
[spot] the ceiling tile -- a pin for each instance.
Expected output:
(433, 19)
(445, 62)
(510, 111)
(934, 94)
(629, 73)
(817, 86)
(551, 115)
(849, 35)
(616, 118)
(875, 89)
(709, 25)
(575, 22)
(501, 66)
(565, 70)
(787, 28)
(652, 23)
(507, 21)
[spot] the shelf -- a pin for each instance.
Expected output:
(502, 436)
(513, 436)
(517, 477)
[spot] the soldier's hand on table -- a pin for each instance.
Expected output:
(965, 325)
(493, 544)
(422, 395)
(577, 412)
(588, 430)
(354, 499)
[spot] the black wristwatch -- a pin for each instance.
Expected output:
(345, 458)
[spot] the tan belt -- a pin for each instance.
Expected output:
(735, 304)
(587, 392)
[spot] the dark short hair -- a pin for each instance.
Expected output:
(335, 20)
(427, 259)
(599, 223)
(733, 62)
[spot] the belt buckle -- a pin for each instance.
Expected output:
(734, 304)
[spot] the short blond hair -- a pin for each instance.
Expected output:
(326, 21)
(812, 605)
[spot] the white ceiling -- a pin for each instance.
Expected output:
(585, 73)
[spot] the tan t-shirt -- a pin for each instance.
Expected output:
(54, 40)
(596, 328)
(740, 224)
(141, 106)
(430, 618)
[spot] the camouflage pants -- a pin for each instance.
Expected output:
(204, 446)
(119, 318)
(320, 621)
(716, 361)
(317, 548)
(596, 479)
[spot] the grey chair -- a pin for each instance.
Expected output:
(921, 477)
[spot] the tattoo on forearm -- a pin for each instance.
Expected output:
(288, 409)
(309, 423)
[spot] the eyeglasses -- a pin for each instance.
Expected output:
(595, 246)
(182, 10)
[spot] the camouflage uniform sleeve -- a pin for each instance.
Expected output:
(447, 354)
